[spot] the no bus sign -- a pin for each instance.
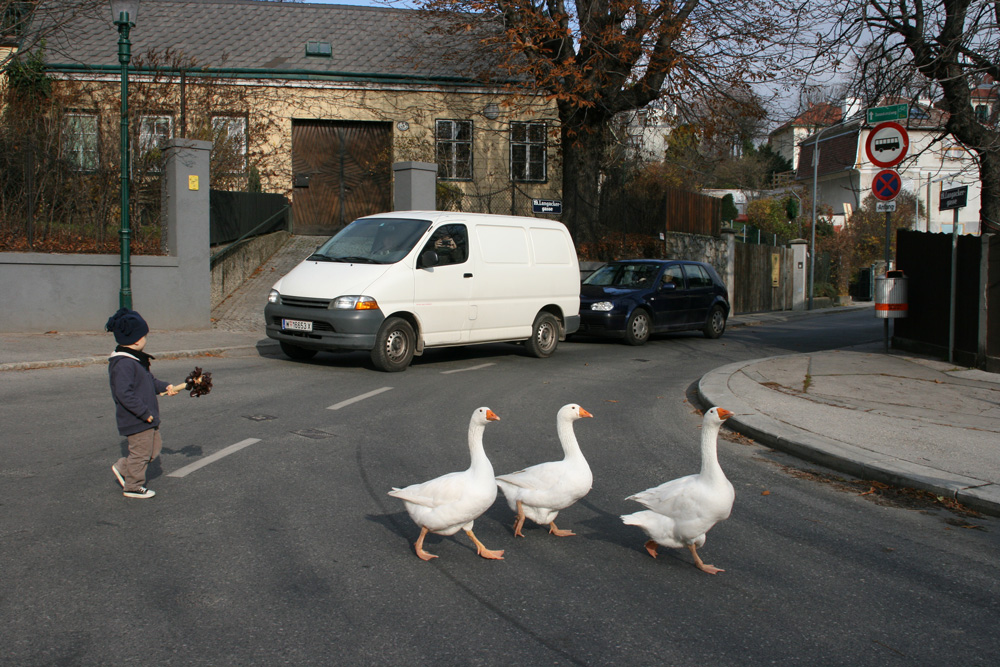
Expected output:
(887, 144)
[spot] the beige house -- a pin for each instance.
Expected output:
(312, 101)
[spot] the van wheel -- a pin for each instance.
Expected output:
(393, 349)
(544, 336)
(637, 328)
(715, 324)
(296, 352)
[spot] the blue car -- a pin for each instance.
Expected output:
(632, 299)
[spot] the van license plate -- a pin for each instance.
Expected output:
(297, 325)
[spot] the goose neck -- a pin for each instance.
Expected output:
(710, 449)
(567, 438)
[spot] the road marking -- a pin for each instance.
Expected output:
(470, 368)
(187, 470)
(351, 401)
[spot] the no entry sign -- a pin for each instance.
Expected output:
(886, 185)
(887, 144)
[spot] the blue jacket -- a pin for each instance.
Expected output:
(134, 389)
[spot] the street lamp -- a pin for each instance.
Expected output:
(812, 244)
(123, 14)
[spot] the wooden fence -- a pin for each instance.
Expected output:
(692, 213)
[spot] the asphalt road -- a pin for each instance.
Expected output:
(287, 550)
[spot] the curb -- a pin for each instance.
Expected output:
(226, 351)
(713, 389)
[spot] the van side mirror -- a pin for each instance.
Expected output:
(428, 259)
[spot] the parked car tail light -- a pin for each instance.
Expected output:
(602, 305)
(354, 302)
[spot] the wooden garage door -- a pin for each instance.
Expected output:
(341, 170)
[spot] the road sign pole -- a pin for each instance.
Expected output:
(888, 258)
(954, 281)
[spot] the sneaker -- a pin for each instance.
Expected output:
(118, 475)
(143, 492)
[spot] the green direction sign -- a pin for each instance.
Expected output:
(882, 114)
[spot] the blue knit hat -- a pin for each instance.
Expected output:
(127, 326)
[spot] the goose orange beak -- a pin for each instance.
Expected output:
(584, 413)
(724, 414)
(492, 416)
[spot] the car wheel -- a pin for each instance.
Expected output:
(716, 323)
(637, 328)
(394, 343)
(544, 336)
(296, 352)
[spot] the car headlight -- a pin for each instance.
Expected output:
(602, 305)
(273, 296)
(354, 302)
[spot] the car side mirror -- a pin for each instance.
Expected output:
(668, 287)
(428, 259)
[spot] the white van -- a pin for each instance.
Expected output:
(399, 283)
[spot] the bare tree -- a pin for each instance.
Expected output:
(597, 58)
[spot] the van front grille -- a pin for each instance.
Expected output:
(303, 302)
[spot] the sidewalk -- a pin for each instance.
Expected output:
(904, 420)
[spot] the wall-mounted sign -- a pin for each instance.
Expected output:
(553, 206)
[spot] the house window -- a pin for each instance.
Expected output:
(982, 113)
(453, 146)
(80, 141)
(154, 131)
(527, 152)
(229, 147)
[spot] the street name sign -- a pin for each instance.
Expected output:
(553, 206)
(894, 112)
(887, 144)
(886, 185)
(953, 198)
(885, 206)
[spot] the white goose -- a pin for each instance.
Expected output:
(449, 503)
(683, 510)
(539, 492)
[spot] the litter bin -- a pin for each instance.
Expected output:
(890, 295)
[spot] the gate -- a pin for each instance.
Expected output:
(763, 277)
(341, 170)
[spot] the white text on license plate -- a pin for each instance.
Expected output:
(297, 325)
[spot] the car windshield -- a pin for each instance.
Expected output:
(372, 241)
(625, 275)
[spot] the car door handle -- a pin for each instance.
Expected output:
(467, 275)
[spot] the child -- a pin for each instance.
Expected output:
(134, 389)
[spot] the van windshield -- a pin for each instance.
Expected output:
(372, 241)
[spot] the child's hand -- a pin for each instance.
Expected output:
(173, 390)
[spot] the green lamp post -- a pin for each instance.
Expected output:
(123, 14)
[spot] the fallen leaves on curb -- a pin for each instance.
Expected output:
(884, 494)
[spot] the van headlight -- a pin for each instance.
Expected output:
(273, 296)
(354, 302)
(602, 306)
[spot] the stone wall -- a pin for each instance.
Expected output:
(239, 264)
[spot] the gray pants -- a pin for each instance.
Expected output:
(143, 447)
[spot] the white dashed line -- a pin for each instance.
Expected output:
(187, 470)
(362, 397)
(470, 368)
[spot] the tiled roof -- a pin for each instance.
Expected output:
(249, 34)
